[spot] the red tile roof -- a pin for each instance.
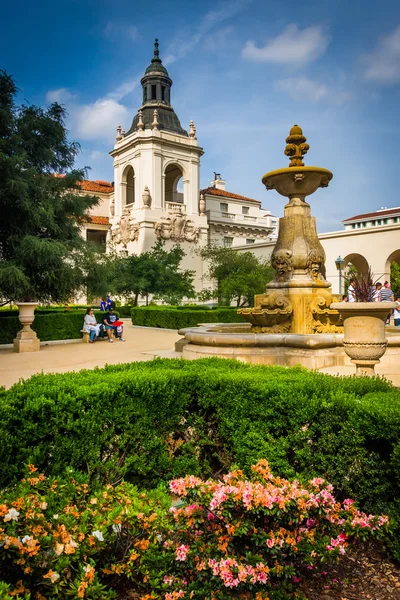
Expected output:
(223, 194)
(99, 220)
(101, 187)
(380, 213)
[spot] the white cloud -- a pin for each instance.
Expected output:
(61, 95)
(94, 121)
(383, 65)
(212, 19)
(123, 89)
(112, 30)
(293, 46)
(98, 120)
(307, 90)
(301, 88)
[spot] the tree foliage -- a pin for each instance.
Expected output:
(41, 248)
(395, 279)
(156, 272)
(238, 276)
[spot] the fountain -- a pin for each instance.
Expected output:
(293, 322)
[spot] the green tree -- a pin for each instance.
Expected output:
(156, 272)
(395, 279)
(238, 276)
(41, 248)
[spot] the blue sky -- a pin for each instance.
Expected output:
(244, 70)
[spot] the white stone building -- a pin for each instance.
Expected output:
(156, 189)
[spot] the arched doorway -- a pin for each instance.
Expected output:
(392, 272)
(128, 187)
(358, 261)
(173, 184)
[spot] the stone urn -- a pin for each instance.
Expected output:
(26, 340)
(364, 332)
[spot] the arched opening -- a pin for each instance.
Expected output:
(173, 184)
(128, 187)
(358, 261)
(392, 272)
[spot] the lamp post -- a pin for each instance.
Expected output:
(339, 262)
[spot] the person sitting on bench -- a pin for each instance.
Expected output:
(112, 322)
(90, 325)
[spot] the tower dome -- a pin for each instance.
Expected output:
(156, 85)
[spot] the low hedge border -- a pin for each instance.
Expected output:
(149, 422)
(51, 326)
(171, 318)
(60, 326)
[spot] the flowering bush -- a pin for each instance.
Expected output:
(56, 536)
(255, 538)
(232, 539)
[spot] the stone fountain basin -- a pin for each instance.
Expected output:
(314, 351)
(291, 181)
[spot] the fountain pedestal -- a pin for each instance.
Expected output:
(298, 299)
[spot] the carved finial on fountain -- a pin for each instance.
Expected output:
(296, 147)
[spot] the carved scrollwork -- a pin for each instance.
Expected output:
(177, 227)
(127, 230)
(272, 315)
(323, 318)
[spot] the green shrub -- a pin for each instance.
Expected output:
(171, 318)
(67, 538)
(51, 326)
(152, 421)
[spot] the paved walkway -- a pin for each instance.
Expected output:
(390, 372)
(142, 343)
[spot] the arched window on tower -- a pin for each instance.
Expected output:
(128, 187)
(173, 184)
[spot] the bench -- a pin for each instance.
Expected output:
(86, 336)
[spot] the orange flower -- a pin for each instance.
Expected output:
(52, 575)
(32, 468)
(133, 556)
(142, 544)
(82, 588)
(89, 573)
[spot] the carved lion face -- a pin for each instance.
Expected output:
(282, 261)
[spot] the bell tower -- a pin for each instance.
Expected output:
(157, 173)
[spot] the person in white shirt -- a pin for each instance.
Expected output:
(351, 297)
(90, 325)
(396, 313)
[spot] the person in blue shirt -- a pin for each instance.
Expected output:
(109, 303)
(103, 305)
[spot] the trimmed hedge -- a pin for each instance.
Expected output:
(149, 422)
(171, 318)
(59, 326)
(53, 325)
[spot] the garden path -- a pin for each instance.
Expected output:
(142, 343)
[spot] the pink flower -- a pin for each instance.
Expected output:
(270, 543)
(181, 552)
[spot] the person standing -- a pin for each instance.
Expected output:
(351, 297)
(386, 295)
(103, 305)
(377, 293)
(397, 313)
